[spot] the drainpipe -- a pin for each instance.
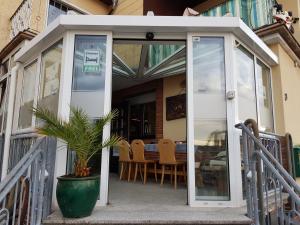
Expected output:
(9, 120)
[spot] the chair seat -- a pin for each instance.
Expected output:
(173, 163)
(144, 161)
(129, 160)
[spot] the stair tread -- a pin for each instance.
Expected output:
(182, 215)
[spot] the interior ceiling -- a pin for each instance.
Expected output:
(139, 63)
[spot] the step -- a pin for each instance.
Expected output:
(111, 215)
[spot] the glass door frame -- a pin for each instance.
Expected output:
(233, 137)
(65, 95)
(234, 168)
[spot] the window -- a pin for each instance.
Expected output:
(89, 63)
(245, 84)
(4, 68)
(27, 96)
(210, 119)
(89, 71)
(265, 97)
(56, 9)
(50, 77)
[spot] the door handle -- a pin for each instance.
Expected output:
(230, 95)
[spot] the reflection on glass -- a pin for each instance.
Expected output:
(210, 126)
(130, 55)
(50, 77)
(265, 97)
(27, 96)
(245, 84)
(88, 86)
(139, 59)
(89, 63)
(159, 52)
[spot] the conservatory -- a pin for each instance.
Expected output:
(185, 79)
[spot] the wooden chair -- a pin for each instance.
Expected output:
(124, 158)
(138, 151)
(167, 149)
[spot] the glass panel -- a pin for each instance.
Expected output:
(89, 63)
(130, 54)
(89, 81)
(129, 57)
(53, 13)
(210, 121)
(245, 84)
(27, 96)
(158, 52)
(50, 77)
(265, 98)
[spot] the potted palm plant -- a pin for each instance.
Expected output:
(77, 193)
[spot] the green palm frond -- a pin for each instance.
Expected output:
(81, 134)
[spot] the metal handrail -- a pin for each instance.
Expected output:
(264, 172)
(285, 184)
(19, 169)
(270, 156)
(26, 192)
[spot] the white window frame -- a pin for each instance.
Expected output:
(238, 132)
(233, 147)
(20, 100)
(38, 58)
(65, 102)
(67, 4)
(271, 91)
(256, 84)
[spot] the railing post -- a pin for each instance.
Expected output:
(41, 181)
(246, 173)
(259, 184)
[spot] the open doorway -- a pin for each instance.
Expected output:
(149, 92)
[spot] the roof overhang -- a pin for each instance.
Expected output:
(278, 32)
(168, 25)
(21, 36)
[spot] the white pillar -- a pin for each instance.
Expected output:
(9, 120)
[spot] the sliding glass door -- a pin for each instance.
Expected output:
(207, 121)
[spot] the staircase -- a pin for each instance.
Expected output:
(26, 192)
(271, 192)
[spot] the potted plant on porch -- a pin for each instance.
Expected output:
(77, 193)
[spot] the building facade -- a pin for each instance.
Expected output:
(224, 70)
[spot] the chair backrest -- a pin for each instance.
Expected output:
(166, 148)
(138, 148)
(124, 150)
